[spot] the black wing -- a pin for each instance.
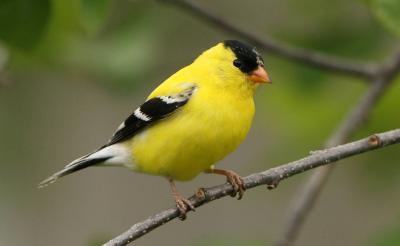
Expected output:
(149, 112)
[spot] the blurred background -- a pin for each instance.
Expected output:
(71, 71)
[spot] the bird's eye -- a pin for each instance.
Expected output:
(237, 63)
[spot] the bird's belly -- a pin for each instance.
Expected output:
(190, 142)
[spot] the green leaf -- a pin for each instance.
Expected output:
(22, 22)
(388, 13)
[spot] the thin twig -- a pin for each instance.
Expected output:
(308, 195)
(270, 177)
(309, 57)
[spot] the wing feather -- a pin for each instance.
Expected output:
(149, 112)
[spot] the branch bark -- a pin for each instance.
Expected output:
(352, 122)
(271, 178)
(309, 57)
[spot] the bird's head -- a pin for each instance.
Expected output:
(237, 62)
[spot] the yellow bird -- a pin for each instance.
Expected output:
(189, 122)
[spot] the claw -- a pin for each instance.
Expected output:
(237, 183)
(234, 179)
(182, 203)
(183, 206)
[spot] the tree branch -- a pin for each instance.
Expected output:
(270, 177)
(351, 123)
(309, 57)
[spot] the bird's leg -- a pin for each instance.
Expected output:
(182, 203)
(233, 178)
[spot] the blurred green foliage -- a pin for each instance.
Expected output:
(95, 14)
(388, 12)
(23, 22)
(57, 47)
(74, 35)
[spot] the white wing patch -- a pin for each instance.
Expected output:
(181, 97)
(121, 126)
(172, 99)
(168, 99)
(139, 114)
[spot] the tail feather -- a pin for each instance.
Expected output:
(111, 155)
(73, 167)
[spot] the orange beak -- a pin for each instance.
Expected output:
(259, 75)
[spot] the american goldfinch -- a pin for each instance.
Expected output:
(193, 119)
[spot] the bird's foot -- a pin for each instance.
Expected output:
(183, 205)
(237, 183)
(233, 178)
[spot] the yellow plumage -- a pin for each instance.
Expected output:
(211, 125)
